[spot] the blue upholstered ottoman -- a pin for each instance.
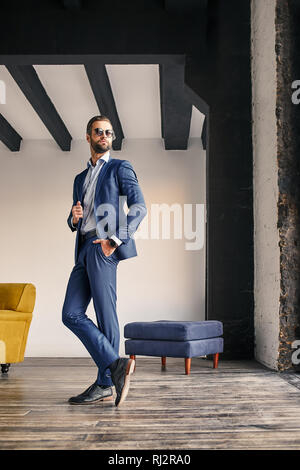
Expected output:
(166, 338)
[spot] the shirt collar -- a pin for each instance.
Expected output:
(104, 157)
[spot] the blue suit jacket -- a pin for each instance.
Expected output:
(117, 182)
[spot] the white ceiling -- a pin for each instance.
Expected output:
(136, 94)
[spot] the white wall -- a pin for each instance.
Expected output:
(164, 282)
(266, 237)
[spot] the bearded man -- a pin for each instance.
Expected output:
(104, 238)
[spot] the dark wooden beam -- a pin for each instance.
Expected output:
(9, 136)
(176, 109)
(186, 6)
(77, 31)
(79, 59)
(28, 81)
(72, 4)
(203, 134)
(100, 85)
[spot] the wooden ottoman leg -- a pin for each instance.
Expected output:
(216, 360)
(163, 362)
(188, 361)
(132, 356)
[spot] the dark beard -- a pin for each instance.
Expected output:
(100, 148)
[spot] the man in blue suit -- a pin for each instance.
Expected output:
(104, 237)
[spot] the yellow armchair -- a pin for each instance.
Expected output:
(16, 306)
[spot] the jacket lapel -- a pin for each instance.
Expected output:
(102, 174)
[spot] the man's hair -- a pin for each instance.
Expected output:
(93, 119)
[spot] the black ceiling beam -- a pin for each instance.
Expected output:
(176, 109)
(72, 4)
(79, 59)
(104, 97)
(186, 6)
(203, 134)
(28, 81)
(9, 136)
(77, 31)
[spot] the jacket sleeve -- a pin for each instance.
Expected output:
(129, 187)
(69, 220)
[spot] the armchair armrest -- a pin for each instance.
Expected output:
(17, 296)
(27, 299)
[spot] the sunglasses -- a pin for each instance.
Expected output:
(107, 132)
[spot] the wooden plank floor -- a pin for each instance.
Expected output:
(240, 405)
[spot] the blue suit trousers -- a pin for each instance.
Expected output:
(94, 276)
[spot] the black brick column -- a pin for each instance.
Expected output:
(288, 157)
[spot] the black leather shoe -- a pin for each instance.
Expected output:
(93, 394)
(120, 376)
